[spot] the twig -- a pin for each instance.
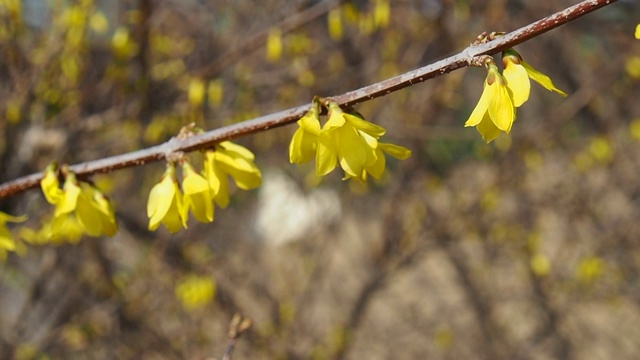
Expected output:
(238, 325)
(289, 24)
(206, 140)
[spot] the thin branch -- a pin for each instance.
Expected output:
(289, 24)
(206, 140)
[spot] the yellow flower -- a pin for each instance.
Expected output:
(195, 291)
(517, 72)
(229, 159)
(90, 207)
(638, 32)
(50, 184)
(7, 242)
(274, 45)
(196, 92)
(495, 111)
(305, 140)
(165, 203)
(345, 139)
(348, 140)
(197, 195)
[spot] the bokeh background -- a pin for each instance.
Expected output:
(526, 248)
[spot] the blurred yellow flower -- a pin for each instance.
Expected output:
(195, 291)
(165, 203)
(229, 159)
(197, 195)
(334, 22)
(517, 73)
(274, 45)
(495, 111)
(7, 242)
(638, 32)
(196, 92)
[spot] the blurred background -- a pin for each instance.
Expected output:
(526, 248)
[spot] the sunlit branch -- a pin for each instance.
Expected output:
(206, 140)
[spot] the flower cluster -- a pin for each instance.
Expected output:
(503, 93)
(77, 202)
(170, 204)
(345, 139)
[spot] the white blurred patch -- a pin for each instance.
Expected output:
(285, 213)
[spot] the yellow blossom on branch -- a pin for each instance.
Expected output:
(638, 32)
(165, 205)
(230, 159)
(345, 139)
(495, 112)
(303, 145)
(517, 73)
(89, 206)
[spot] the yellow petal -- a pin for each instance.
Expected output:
(165, 203)
(88, 215)
(518, 82)
(397, 151)
(5, 218)
(501, 109)
(377, 169)
(222, 196)
(302, 147)
(351, 150)
(69, 200)
(638, 32)
(367, 127)
(370, 149)
(327, 154)
(481, 108)
(197, 195)
(310, 122)
(488, 129)
(173, 219)
(542, 79)
(336, 118)
(244, 172)
(238, 149)
(109, 222)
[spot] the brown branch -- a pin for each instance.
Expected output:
(263, 123)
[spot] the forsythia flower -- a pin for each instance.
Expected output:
(197, 195)
(305, 140)
(7, 242)
(195, 291)
(165, 203)
(229, 159)
(495, 112)
(344, 139)
(517, 73)
(90, 207)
